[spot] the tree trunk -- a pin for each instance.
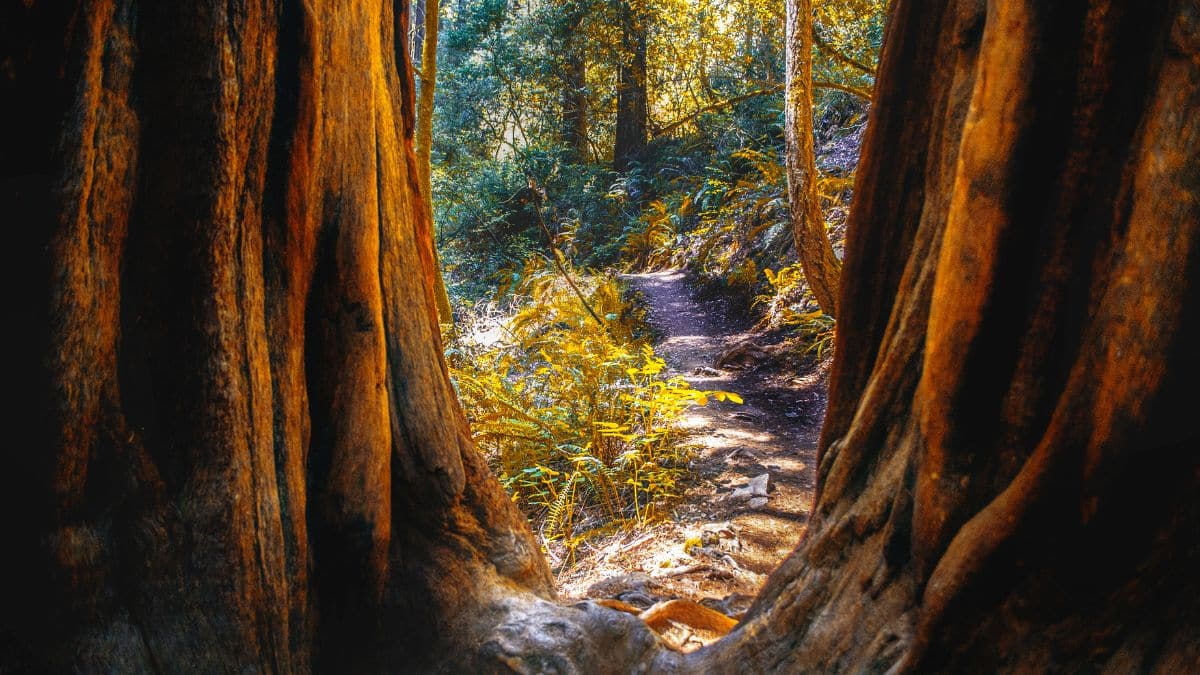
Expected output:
(1008, 469)
(632, 110)
(244, 452)
(424, 143)
(574, 88)
(821, 266)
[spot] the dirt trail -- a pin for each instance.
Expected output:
(719, 545)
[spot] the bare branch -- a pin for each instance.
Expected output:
(717, 106)
(817, 84)
(839, 56)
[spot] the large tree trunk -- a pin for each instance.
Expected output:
(821, 266)
(632, 102)
(1008, 469)
(245, 453)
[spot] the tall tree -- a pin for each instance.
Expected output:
(1008, 467)
(632, 101)
(431, 12)
(574, 135)
(246, 454)
(820, 264)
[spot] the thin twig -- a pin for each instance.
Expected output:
(849, 89)
(717, 106)
(558, 256)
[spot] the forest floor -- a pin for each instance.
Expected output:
(722, 538)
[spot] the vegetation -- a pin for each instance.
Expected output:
(529, 94)
(240, 451)
(575, 416)
(621, 136)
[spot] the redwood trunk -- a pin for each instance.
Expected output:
(1008, 471)
(821, 266)
(245, 452)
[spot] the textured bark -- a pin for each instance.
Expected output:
(1008, 471)
(632, 110)
(821, 266)
(245, 453)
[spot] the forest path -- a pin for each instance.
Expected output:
(718, 545)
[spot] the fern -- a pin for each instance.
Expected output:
(558, 403)
(558, 515)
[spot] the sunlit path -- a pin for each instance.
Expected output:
(736, 538)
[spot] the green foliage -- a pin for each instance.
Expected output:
(651, 244)
(790, 303)
(577, 419)
(710, 194)
(728, 220)
(489, 220)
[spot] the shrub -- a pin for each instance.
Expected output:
(577, 419)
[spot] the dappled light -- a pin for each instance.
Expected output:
(569, 336)
(630, 314)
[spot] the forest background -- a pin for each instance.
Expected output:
(568, 142)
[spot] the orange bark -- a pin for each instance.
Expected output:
(245, 453)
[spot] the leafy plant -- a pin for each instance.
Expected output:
(790, 303)
(578, 419)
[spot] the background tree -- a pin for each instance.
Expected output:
(632, 99)
(574, 82)
(247, 454)
(821, 266)
(430, 15)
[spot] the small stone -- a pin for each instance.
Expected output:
(757, 502)
(757, 487)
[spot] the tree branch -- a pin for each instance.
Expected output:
(846, 88)
(817, 84)
(839, 56)
(558, 256)
(717, 106)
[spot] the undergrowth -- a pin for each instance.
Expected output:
(730, 225)
(574, 412)
(576, 417)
